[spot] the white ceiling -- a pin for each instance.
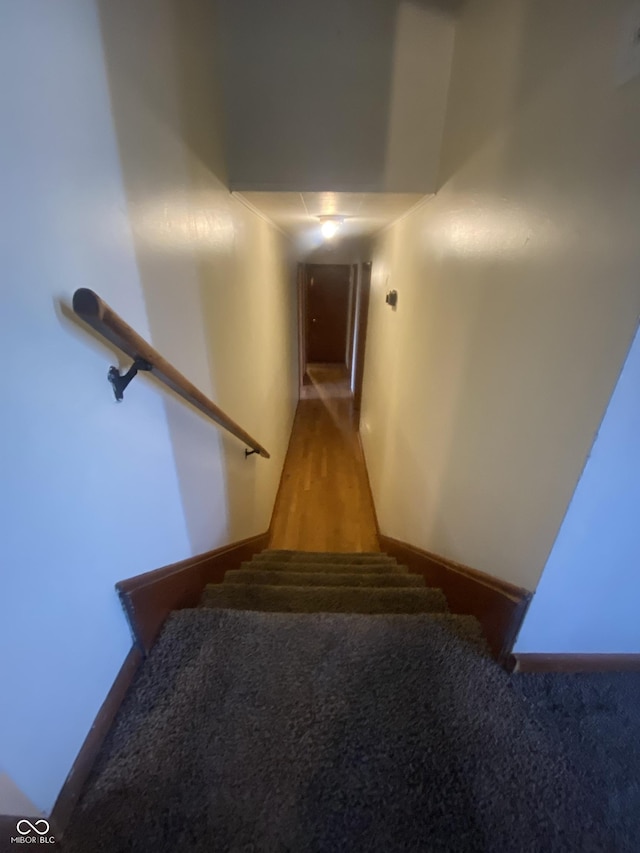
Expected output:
(297, 213)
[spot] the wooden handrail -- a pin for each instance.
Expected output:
(97, 314)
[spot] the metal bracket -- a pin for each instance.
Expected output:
(120, 381)
(248, 453)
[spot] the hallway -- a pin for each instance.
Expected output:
(473, 169)
(324, 501)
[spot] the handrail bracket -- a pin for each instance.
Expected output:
(119, 381)
(109, 325)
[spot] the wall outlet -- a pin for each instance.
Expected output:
(628, 59)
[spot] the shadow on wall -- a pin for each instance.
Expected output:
(190, 245)
(481, 105)
(520, 294)
(335, 96)
(419, 84)
(541, 293)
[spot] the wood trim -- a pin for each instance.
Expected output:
(498, 606)
(149, 598)
(79, 773)
(8, 829)
(303, 379)
(320, 270)
(364, 294)
(351, 319)
(97, 314)
(525, 662)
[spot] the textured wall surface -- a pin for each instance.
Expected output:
(587, 598)
(110, 168)
(335, 95)
(519, 290)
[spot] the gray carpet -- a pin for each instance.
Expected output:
(327, 599)
(596, 719)
(307, 582)
(389, 566)
(276, 731)
(279, 577)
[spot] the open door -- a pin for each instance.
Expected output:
(362, 315)
(345, 319)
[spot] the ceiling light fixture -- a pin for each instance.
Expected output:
(330, 226)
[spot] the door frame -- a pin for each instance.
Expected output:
(303, 378)
(358, 319)
(351, 317)
(362, 310)
(303, 284)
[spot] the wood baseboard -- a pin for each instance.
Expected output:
(8, 830)
(149, 598)
(498, 606)
(525, 662)
(79, 773)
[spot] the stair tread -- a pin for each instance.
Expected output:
(305, 599)
(465, 624)
(334, 732)
(319, 566)
(292, 577)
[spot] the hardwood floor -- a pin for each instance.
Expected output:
(324, 502)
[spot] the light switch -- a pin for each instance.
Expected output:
(628, 60)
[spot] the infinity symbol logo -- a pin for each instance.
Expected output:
(32, 827)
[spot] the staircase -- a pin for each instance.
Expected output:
(305, 582)
(328, 702)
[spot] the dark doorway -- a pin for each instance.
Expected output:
(327, 302)
(362, 311)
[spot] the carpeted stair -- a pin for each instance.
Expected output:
(303, 582)
(270, 720)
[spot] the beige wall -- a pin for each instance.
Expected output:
(323, 96)
(348, 251)
(112, 178)
(13, 801)
(519, 290)
(218, 280)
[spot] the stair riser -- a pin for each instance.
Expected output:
(338, 568)
(319, 579)
(324, 599)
